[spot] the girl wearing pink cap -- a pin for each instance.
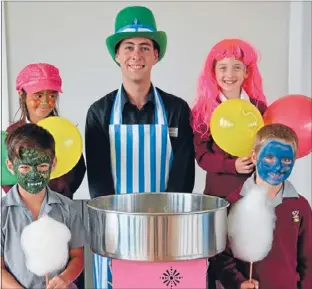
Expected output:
(38, 86)
(230, 71)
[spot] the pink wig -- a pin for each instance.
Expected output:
(208, 89)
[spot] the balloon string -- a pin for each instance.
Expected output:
(250, 271)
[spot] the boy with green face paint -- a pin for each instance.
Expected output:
(31, 153)
(32, 170)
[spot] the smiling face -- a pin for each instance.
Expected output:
(275, 162)
(230, 74)
(40, 104)
(136, 57)
(32, 170)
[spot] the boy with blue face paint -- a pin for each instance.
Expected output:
(289, 263)
(275, 162)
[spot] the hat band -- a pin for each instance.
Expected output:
(136, 28)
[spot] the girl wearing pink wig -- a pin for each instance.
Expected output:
(230, 71)
(38, 86)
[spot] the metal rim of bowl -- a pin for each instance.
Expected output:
(159, 214)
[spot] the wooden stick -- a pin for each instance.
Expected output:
(250, 271)
(47, 279)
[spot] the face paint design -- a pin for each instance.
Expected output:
(275, 162)
(32, 170)
(43, 98)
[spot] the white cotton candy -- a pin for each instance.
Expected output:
(45, 245)
(251, 224)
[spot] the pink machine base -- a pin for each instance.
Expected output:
(159, 275)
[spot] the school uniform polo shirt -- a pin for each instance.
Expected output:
(288, 265)
(15, 216)
(287, 191)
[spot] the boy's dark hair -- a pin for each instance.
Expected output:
(155, 46)
(29, 136)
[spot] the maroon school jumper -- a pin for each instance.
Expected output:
(67, 184)
(289, 263)
(221, 175)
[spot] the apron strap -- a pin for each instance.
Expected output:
(116, 114)
(160, 112)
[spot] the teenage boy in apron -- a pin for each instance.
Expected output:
(138, 138)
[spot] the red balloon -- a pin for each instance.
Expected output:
(294, 111)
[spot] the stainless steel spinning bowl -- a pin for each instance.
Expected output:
(157, 226)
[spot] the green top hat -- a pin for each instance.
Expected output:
(136, 21)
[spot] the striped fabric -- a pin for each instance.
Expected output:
(140, 166)
(141, 157)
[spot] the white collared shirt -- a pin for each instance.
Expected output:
(243, 96)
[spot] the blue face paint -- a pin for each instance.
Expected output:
(275, 162)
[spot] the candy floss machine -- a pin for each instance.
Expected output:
(158, 240)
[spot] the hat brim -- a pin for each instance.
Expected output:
(159, 37)
(43, 85)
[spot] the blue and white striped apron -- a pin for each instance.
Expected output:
(141, 157)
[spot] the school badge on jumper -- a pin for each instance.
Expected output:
(295, 216)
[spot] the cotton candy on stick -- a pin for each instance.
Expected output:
(45, 245)
(251, 223)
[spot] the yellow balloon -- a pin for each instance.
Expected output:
(234, 125)
(68, 143)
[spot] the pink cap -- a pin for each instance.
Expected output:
(39, 76)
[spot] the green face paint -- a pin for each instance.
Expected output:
(44, 101)
(32, 170)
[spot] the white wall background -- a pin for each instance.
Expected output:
(299, 79)
(71, 35)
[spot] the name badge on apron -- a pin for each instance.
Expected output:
(173, 131)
